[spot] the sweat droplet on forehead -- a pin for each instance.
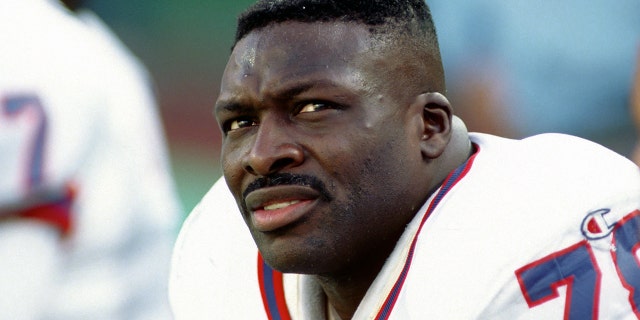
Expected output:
(248, 58)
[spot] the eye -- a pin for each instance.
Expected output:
(314, 107)
(239, 123)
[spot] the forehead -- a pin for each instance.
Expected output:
(320, 42)
(287, 51)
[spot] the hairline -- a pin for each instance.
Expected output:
(424, 55)
(387, 35)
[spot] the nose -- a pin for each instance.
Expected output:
(273, 150)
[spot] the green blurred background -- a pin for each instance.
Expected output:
(185, 45)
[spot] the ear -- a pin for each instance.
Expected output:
(436, 120)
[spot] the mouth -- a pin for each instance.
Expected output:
(273, 208)
(280, 205)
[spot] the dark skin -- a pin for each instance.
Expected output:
(315, 100)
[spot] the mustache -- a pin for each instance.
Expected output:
(280, 179)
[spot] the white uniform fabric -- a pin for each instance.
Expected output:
(542, 228)
(77, 113)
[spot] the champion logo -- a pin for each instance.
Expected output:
(595, 225)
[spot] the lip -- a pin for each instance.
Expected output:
(275, 207)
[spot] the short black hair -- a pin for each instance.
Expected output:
(404, 25)
(382, 15)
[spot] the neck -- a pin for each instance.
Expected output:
(344, 294)
(459, 149)
(345, 291)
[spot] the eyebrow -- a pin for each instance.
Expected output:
(299, 88)
(230, 106)
(236, 106)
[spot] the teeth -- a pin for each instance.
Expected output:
(280, 205)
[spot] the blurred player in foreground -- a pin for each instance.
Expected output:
(87, 204)
(356, 193)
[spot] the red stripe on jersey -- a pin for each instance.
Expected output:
(56, 212)
(272, 291)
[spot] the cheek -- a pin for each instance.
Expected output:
(385, 168)
(365, 164)
(232, 168)
(367, 188)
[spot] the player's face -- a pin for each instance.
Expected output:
(323, 162)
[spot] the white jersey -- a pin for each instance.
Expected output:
(82, 151)
(542, 228)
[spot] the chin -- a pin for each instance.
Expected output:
(298, 261)
(298, 251)
(288, 265)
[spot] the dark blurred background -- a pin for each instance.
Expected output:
(185, 45)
